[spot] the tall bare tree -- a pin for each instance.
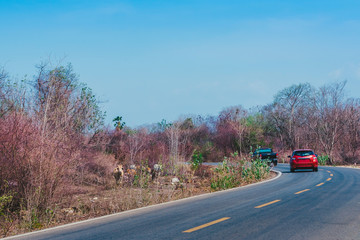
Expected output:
(135, 143)
(328, 116)
(7, 103)
(64, 104)
(350, 134)
(235, 118)
(287, 112)
(173, 134)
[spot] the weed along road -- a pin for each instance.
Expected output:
(300, 205)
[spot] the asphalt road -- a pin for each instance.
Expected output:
(300, 205)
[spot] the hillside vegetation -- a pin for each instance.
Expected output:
(57, 158)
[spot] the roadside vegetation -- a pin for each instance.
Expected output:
(59, 163)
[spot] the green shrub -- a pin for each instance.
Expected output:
(5, 201)
(141, 179)
(35, 222)
(323, 159)
(7, 213)
(143, 175)
(228, 174)
(7, 219)
(257, 171)
(235, 171)
(196, 160)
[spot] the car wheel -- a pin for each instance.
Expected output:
(292, 170)
(315, 169)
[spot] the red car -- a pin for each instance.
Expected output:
(302, 159)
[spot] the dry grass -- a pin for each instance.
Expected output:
(85, 202)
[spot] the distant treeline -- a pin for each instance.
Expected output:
(300, 116)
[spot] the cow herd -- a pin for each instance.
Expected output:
(120, 173)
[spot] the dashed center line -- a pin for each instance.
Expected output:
(305, 190)
(267, 204)
(206, 225)
(259, 206)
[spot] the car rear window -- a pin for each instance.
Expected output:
(264, 150)
(260, 151)
(303, 153)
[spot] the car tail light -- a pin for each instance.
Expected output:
(314, 159)
(260, 155)
(276, 154)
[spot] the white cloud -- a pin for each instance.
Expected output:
(349, 71)
(336, 73)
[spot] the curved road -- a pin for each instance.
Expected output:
(300, 205)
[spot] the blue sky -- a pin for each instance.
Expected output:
(154, 60)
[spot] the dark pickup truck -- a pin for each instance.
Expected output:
(266, 154)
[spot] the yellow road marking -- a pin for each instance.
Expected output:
(331, 175)
(302, 191)
(328, 179)
(206, 225)
(267, 204)
(320, 184)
